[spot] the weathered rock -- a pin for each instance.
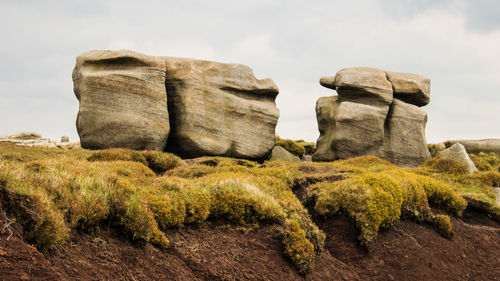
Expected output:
(405, 142)
(458, 154)
(219, 109)
(410, 88)
(280, 154)
(326, 109)
(364, 119)
(25, 136)
(123, 101)
(359, 129)
(360, 83)
(477, 146)
(64, 139)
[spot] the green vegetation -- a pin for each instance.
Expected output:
(291, 146)
(146, 193)
(377, 200)
(157, 161)
(297, 147)
(81, 190)
(310, 147)
(486, 161)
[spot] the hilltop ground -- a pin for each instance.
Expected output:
(126, 215)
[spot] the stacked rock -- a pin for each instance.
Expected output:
(376, 113)
(135, 101)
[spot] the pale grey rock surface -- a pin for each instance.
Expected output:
(410, 88)
(25, 136)
(359, 129)
(361, 83)
(219, 109)
(123, 102)
(280, 154)
(366, 118)
(21, 139)
(326, 109)
(458, 154)
(477, 146)
(404, 137)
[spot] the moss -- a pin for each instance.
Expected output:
(291, 146)
(372, 200)
(443, 226)
(139, 222)
(445, 166)
(161, 162)
(376, 200)
(488, 178)
(157, 161)
(310, 147)
(115, 154)
(298, 248)
(191, 171)
(442, 195)
(70, 192)
(486, 161)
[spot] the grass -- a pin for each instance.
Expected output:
(81, 190)
(486, 161)
(146, 193)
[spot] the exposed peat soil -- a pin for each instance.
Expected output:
(216, 251)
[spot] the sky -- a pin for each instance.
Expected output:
(456, 43)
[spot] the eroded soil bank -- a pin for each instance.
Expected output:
(408, 251)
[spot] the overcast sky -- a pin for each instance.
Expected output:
(455, 43)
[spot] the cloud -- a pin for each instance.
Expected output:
(454, 42)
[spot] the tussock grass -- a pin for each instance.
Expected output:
(157, 161)
(146, 193)
(82, 191)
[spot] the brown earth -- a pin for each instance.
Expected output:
(214, 251)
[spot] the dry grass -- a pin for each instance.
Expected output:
(146, 193)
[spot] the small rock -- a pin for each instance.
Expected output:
(458, 153)
(64, 139)
(279, 153)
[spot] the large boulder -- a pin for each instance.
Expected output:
(368, 118)
(123, 101)
(405, 142)
(477, 146)
(219, 109)
(359, 129)
(458, 154)
(326, 109)
(360, 83)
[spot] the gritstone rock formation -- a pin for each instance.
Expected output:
(122, 100)
(375, 113)
(136, 101)
(219, 109)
